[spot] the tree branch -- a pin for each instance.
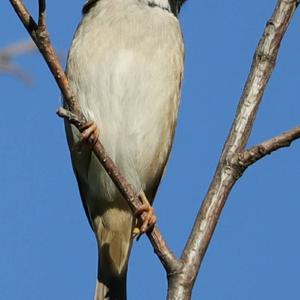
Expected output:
(228, 172)
(17, 72)
(40, 36)
(42, 14)
(252, 155)
(9, 53)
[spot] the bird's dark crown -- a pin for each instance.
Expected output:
(175, 5)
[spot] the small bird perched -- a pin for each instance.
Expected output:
(125, 68)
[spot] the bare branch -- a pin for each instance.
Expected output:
(16, 72)
(42, 14)
(252, 155)
(228, 172)
(9, 53)
(41, 38)
(16, 49)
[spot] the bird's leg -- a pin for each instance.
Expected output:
(149, 218)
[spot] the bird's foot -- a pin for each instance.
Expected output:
(89, 135)
(146, 217)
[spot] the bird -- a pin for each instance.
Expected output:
(125, 68)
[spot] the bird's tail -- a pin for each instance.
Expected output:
(115, 289)
(114, 249)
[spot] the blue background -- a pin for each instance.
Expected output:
(47, 250)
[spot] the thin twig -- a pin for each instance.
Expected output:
(7, 56)
(42, 14)
(16, 49)
(17, 72)
(252, 155)
(40, 36)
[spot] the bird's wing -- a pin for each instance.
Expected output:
(80, 163)
(82, 188)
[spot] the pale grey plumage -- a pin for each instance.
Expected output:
(125, 67)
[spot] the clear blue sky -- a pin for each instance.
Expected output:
(47, 250)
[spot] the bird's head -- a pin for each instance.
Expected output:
(172, 5)
(176, 5)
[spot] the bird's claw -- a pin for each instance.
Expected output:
(146, 217)
(149, 218)
(90, 133)
(89, 136)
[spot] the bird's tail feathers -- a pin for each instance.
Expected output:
(113, 289)
(114, 250)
